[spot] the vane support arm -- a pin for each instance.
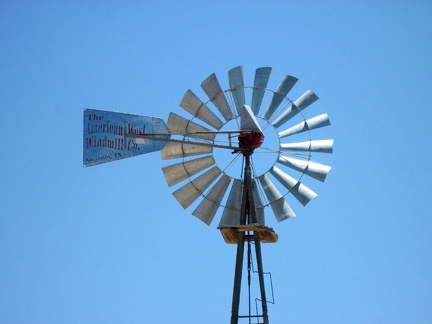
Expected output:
(158, 137)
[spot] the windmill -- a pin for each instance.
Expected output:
(231, 155)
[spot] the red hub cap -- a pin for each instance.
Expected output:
(250, 140)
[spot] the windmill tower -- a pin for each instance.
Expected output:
(229, 131)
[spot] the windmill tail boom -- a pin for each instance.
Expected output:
(106, 136)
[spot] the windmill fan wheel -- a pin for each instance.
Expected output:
(208, 173)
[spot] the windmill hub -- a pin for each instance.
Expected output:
(264, 151)
(250, 140)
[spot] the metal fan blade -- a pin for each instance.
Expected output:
(193, 105)
(312, 169)
(248, 120)
(178, 150)
(320, 146)
(183, 126)
(181, 171)
(207, 209)
(302, 193)
(262, 76)
(214, 91)
(236, 83)
(312, 123)
(300, 104)
(231, 213)
(259, 207)
(280, 207)
(284, 87)
(190, 192)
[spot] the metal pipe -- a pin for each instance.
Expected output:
(257, 250)
(261, 279)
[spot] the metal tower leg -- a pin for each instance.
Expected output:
(239, 259)
(237, 278)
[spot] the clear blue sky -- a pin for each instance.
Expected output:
(109, 244)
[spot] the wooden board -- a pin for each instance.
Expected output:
(230, 233)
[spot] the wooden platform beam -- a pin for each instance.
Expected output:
(230, 233)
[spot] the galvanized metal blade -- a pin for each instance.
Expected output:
(231, 213)
(312, 169)
(320, 146)
(259, 207)
(284, 87)
(181, 171)
(300, 104)
(236, 83)
(248, 120)
(310, 124)
(183, 126)
(185, 149)
(190, 192)
(302, 193)
(208, 207)
(193, 105)
(214, 91)
(278, 204)
(262, 76)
